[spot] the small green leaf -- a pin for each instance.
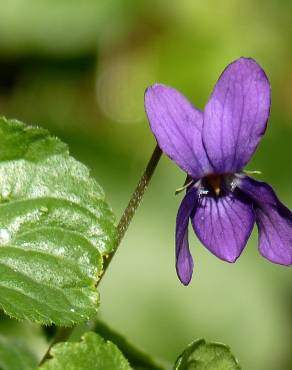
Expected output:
(137, 358)
(201, 355)
(55, 228)
(14, 356)
(92, 353)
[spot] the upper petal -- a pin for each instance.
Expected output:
(184, 261)
(274, 221)
(177, 126)
(236, 115)
(224, 224)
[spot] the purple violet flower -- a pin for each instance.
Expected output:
(212, 147)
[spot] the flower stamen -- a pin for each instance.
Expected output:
(214, 181)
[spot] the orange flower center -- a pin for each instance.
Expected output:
(214, 181)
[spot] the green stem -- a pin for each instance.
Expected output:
(134, 203)
(63, 334)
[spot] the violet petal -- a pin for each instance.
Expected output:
(224, 224)
(273, 219)
(184, 261)
(236, 115)
(177, 126)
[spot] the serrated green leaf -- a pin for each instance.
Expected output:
(138, 359)
(55, 228)
(92, 353)
(201, 355)
(14, 356)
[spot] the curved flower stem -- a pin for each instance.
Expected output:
(64, 333)
(134, 203)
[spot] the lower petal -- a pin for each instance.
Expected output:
(274, 221)
(184, 261)
(224, 224)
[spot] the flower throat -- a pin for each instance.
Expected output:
(213, 183)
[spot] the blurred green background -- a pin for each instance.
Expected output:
(80, 68)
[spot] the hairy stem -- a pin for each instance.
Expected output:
(134, 202)
(63, 334)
